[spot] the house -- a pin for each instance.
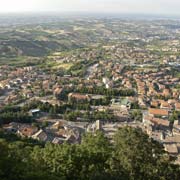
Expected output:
(78, 97)
(172, 144)
(158, 112)
(176, 127)
(64, 132)
(156, 123)
(165, 105)
(27, 131)
(40, 135)
(177, 106)
(172, 149)
(154, 103)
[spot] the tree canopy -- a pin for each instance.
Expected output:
(132, 155)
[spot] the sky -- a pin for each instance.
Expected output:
(100, 6)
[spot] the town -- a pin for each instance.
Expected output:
(120, 77)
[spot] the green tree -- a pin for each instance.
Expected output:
(140, 156)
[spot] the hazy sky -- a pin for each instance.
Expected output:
(115, 6)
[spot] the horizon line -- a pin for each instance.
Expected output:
(90, 14)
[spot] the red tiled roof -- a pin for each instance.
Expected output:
(79, 96)
(177, 105)
(159, 121)
(161, 112)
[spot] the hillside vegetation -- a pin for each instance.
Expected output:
(132, 156)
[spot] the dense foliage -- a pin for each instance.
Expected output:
(107, 92)
(132, 156)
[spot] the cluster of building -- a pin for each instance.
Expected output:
(57, 132)
(134, 62)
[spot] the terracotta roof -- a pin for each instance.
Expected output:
(159, 121)
(171, 148)
(28, 131)
(177, 105)
(173, 139)
(161, 112)
(155, 103)
(164, 104)
(79, 96)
